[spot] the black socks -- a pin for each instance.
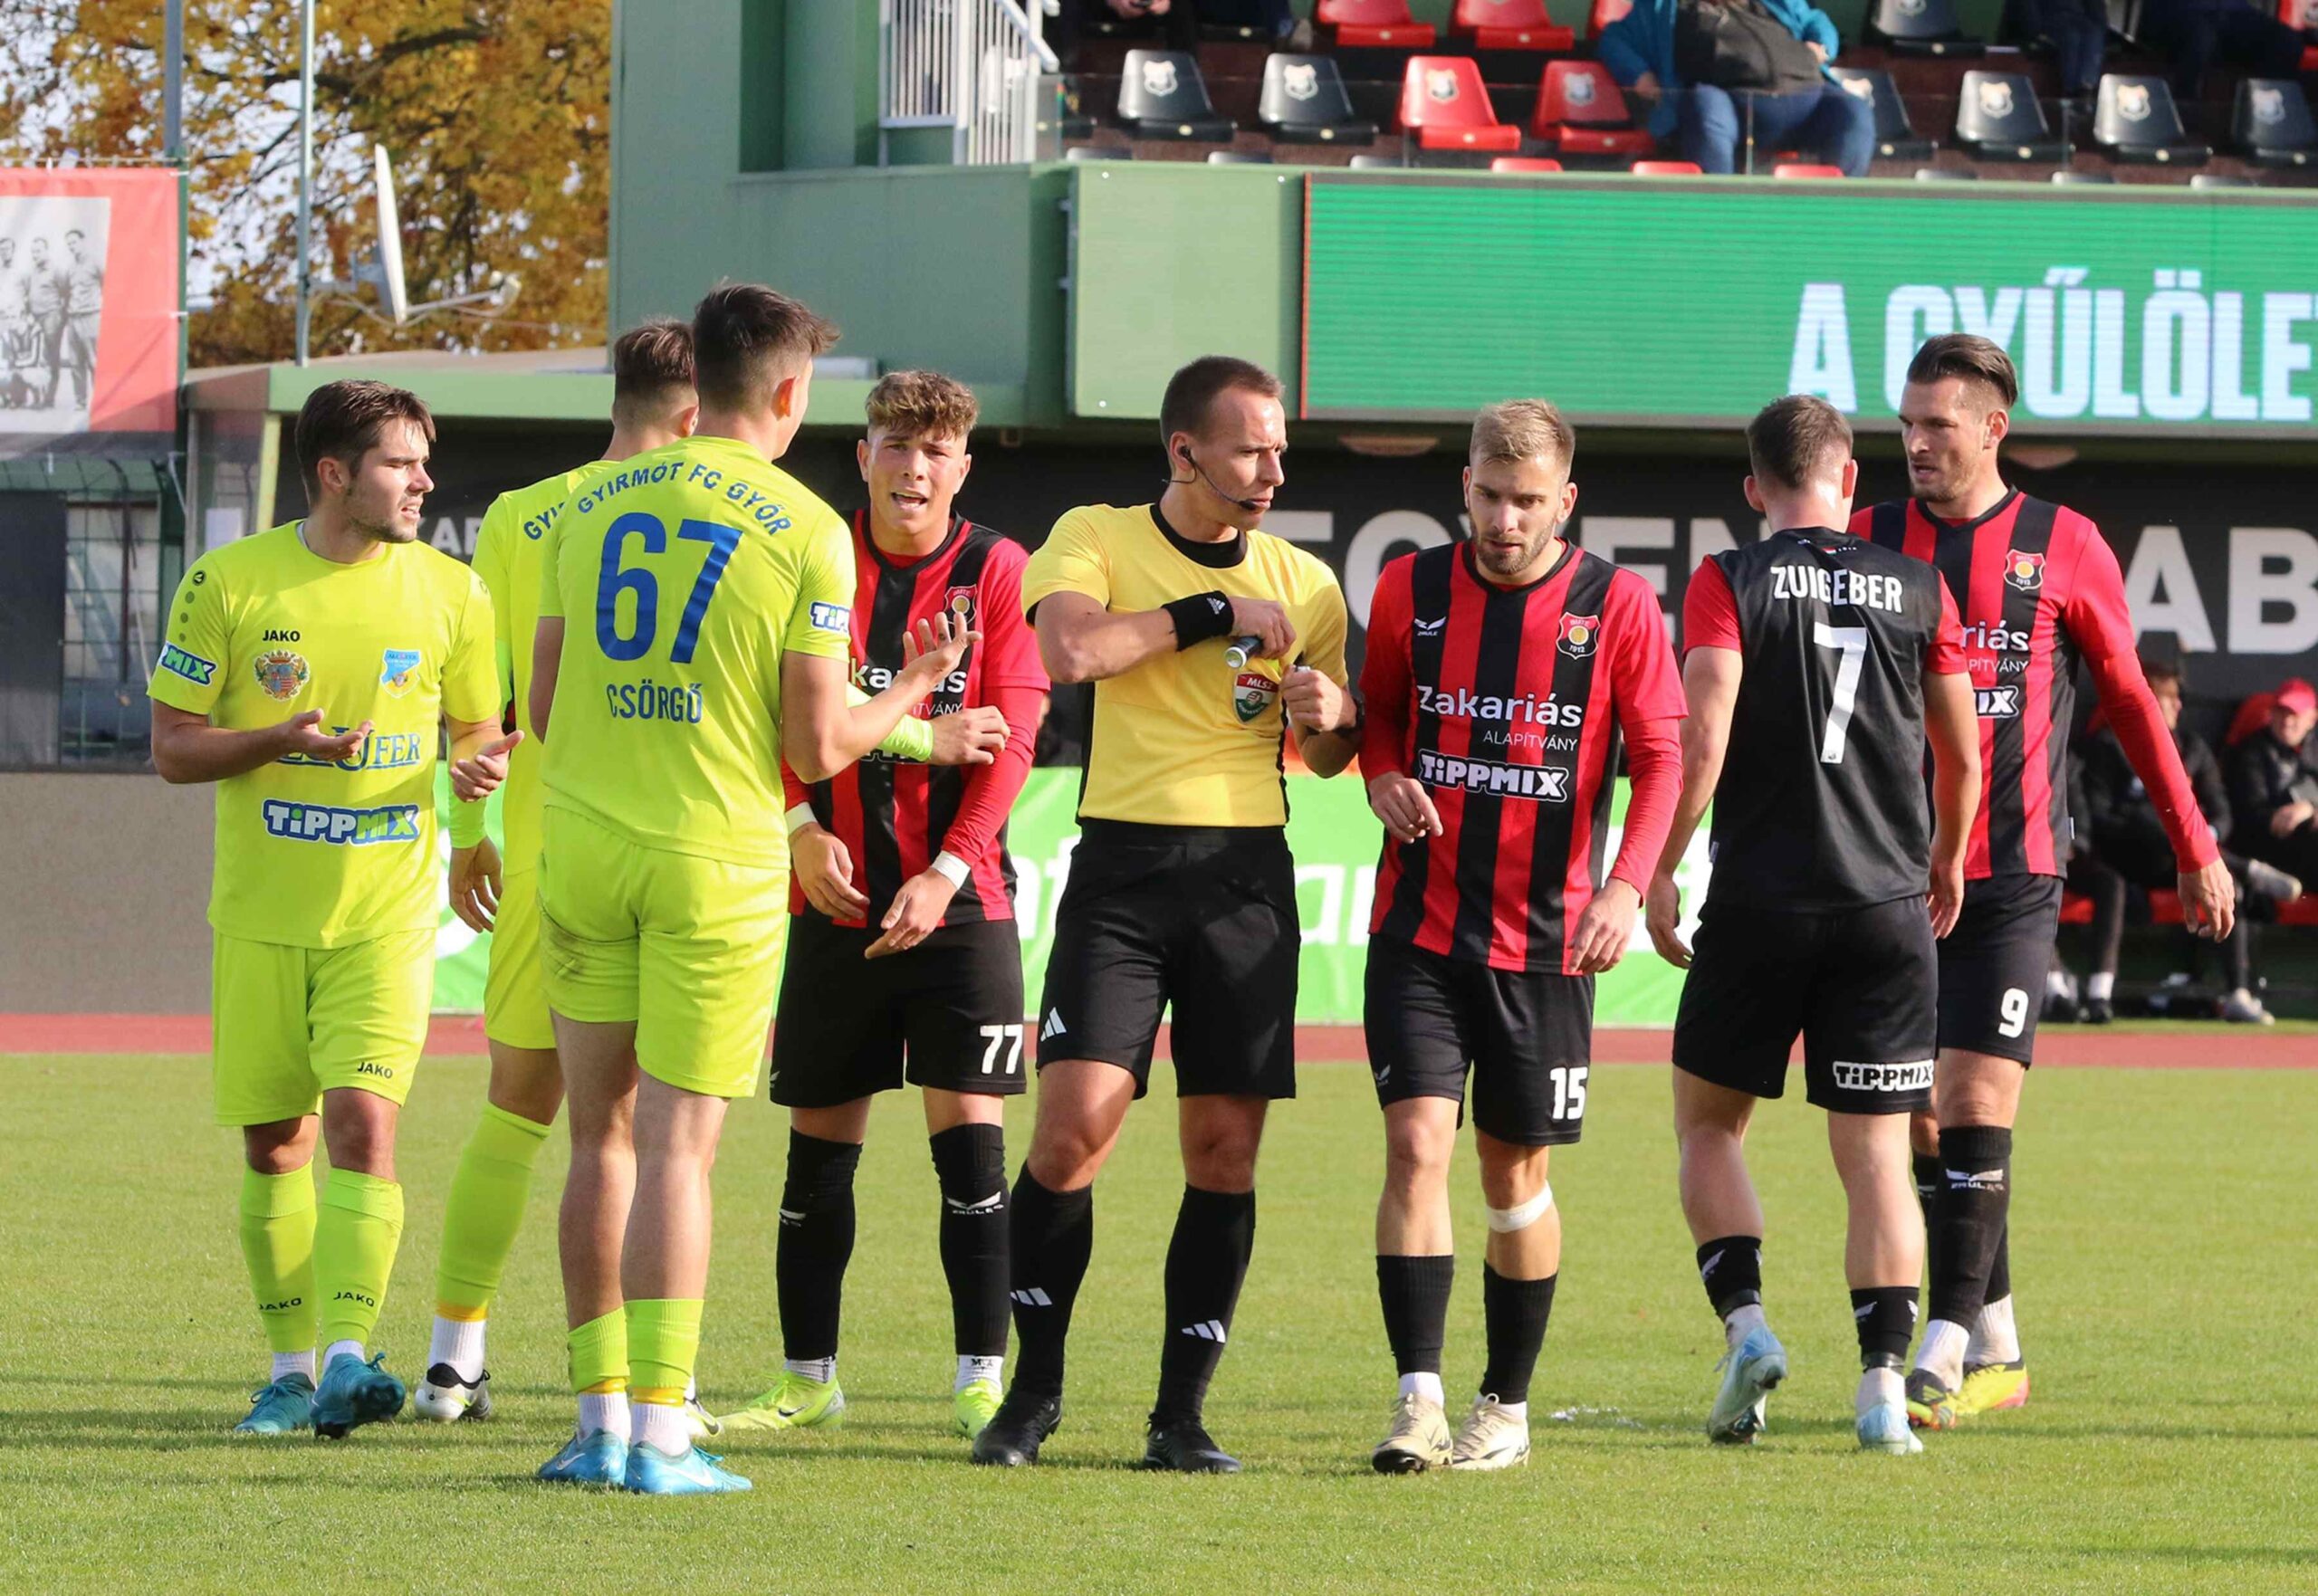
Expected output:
(1975, 1197)
(816, 1243)
(1415, 1295)
(1515, 1312)
(1207, 1262)
(969, 1161)
(1051, 1235)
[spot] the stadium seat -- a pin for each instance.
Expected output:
(2271, 122)
(1895, 136)
(2076, 909)
(1920, 28)
(1163, 96)
(1524, 163)
(2303, 911)
(1805, 169)
(2220, 180)
(1666, 169)
(1382, 24)
(1510, 25)
(1604, 13)
(1997, 118)
(1378, 163)
(2070, 179)
(1238, 157)
(1096, 152)
(2301, 16)
(1444, 105)
(1304, 102)
(2134, 119)
(1946, 174)
(1581, 108)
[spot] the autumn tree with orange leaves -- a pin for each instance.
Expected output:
(494, 112)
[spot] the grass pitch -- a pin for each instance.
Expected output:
(2164, 1252)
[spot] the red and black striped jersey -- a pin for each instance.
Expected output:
(1509, 704)
(2038, 592)
(893, 815)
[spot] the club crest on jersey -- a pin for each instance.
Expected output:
(401, 673)
(1579, 632)
(2024, 570)
(281, 674)
(1252, 694)
(960, 603)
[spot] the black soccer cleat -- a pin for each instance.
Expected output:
(1023, 1421)
(1182, 1445)
(2097, 1011)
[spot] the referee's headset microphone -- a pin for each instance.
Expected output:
(1183, 453)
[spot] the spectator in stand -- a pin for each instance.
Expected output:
(1179, 20)
(2078, 31)
(2273, 785)
(1705, 63)
(2193, 34)
(2128, 845)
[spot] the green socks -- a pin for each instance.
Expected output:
(277, 1228)
(663, 1344)
(355, 1240)
(598, 1351)
(488, 1191)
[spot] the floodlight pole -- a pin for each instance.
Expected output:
(305, 169)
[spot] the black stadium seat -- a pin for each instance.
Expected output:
(1920, 28)
(1895, 136)
(2221, 180)
(2272, 123)
(1997, 118)
(2077, 177)
(2134, 119)
(1163, 96)
(1090, 152)
(1304, 102)
(1238, 157)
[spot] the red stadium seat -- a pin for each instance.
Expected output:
(1666, 169)
(1443, 104)
(2076, 909)
(2303, 911)
(1383, 23)
(2301, 16)
(1581, 109)
(1604, 13)
(1524, 163)
(2164, 906)
(1805, 169)
(1510, 25)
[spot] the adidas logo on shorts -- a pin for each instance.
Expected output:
(1053, 1027)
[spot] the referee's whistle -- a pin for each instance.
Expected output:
(1242, 650)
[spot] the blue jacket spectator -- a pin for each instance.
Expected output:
(1641, 44)
(1772, 58)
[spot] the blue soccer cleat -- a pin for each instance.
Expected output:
(653, 1473)
(280, 1408)
(1754, 1367)
(1885, 1429)
(354, 1393)
(599, 1458)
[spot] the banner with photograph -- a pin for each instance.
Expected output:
(88, 308)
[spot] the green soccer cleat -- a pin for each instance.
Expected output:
(704, 1423)
(1753, 1369)
(282, 1407)
(972, 1407)
(794, 1402)
(354, 1393)
(653, 1473)
(599, 1458)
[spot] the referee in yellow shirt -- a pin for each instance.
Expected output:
(1181, 891)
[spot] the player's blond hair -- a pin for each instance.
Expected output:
(1522, 429)
(922, 404)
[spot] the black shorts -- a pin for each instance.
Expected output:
(1527, 1035)
(1199, 919)
(1992, 966)
(1858, 985)
(947, 1013)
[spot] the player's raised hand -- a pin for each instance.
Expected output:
(480, 773)
(1266, 620)
(1606, 927)
(476, 885)
(917, 910)
(310, 741)
(934, 648)
(824, 873)
(2208, 901)
(1405, 806)
(1312, 700)
(1946, 898)
(1662, 914)
(969, 736)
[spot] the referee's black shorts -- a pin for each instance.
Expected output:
(1199, 919)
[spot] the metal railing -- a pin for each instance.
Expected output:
(972, 66)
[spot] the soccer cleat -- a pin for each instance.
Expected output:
(354, 1393)
(1931, 1404)
(1014, 1433)
(1490, 1437)
(1885, 1429)
(794, 1402)
(1417, 1440)
(2097, 1011)
(1750, 1372)
(281, 1407)
(2267, 881)
(445, 1399)
(1182, 1445)
(704, 1423)
(653, 1473)
(1992, 1388)
(599, 1458)
(2242, 1007)
(973, 1406)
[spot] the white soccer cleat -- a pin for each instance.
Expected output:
(1492, 1436)
(1418, 1440)
(1753, 1369)
(442, 1397)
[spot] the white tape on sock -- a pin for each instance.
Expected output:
(1506, 1220)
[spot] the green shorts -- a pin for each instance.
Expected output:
(288, 1024)
(514, 994)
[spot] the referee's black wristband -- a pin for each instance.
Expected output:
(1199, 617)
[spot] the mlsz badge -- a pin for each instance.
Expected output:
(1252, 694)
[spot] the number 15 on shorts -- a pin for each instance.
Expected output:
(1569, 1090)
(1005, 1040)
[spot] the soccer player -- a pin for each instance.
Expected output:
(1816, 663)
(84, 298)
(45, 294)
(305, 671)
(712, 591)
(2039, 594)
(1181, 891)
(1500, 675)
(903, 961)
(17, 328)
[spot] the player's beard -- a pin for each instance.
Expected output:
(1532, 549)
(390, 530)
